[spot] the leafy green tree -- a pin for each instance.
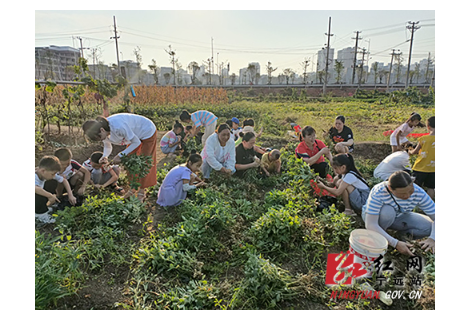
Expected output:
(339, 67)
(155, 69)
(270, 70)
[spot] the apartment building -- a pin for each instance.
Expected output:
(55, 62)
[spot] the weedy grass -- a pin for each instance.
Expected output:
(57, 269)
(102, 223)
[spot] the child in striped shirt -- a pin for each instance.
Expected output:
(201, 118)
(171, 139)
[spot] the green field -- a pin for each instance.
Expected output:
(256, 243)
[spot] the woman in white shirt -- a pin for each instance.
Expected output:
(219, 152)
(397, 161)
(138, 133)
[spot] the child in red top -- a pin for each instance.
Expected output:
(313, 151)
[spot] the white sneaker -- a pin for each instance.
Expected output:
(45, 217)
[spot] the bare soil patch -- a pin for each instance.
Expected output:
(372, 151)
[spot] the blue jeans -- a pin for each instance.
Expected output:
(206, 169)
(418, 225)
(166, 149)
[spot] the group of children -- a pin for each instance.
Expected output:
(58, 172)
(232, 151)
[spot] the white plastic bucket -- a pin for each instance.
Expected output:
(366, 246)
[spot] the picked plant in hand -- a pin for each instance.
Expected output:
(138, 166)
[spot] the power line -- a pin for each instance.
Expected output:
(374, 54)
(395, 30)
(71, 32)
(260, 50)
(197, 46)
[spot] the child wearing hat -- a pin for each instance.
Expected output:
(236, 129)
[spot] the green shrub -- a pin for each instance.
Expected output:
(138, 166)
(336, 226)
(196, 295)
(102, 224)
(206, 218)
(264, 285)
(166, 257)
(276, 229)
(57, 270)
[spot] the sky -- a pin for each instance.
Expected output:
(237, 37)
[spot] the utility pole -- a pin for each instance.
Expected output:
(368, 58)
(93, 52)
(432, 78)
(355, 53)
(327, 55)
(212, 55)
(391, 64)
(81, 47)
(428, 65)
(362, 68)
(117, 50)
(413, 27)
(81, 51)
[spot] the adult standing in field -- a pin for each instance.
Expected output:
(390, 206)
(135, 131)
(219, 152)
(201, 118)
(341, 135)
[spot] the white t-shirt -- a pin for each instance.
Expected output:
(217, 156)
(127, 129)
(405, 130)
(352, 179)
(236, 133)
(397, 161)
(40, 183)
